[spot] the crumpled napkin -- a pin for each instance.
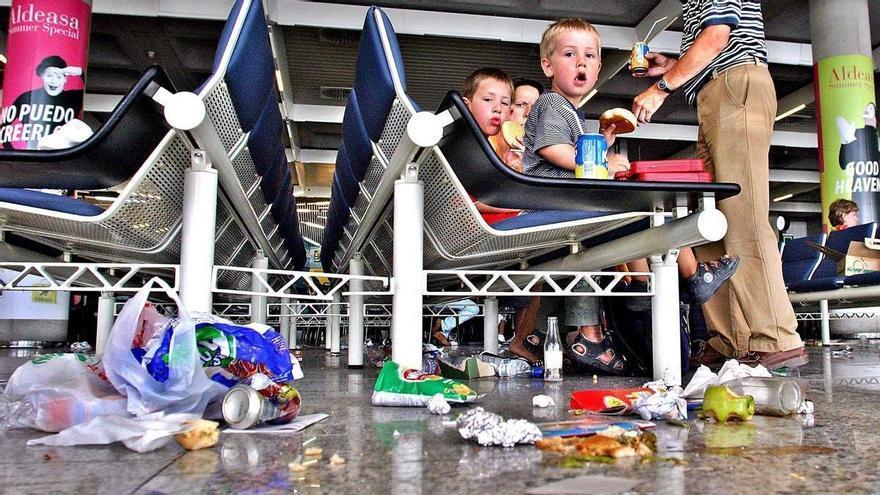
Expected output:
(66, 136)
(732, 370)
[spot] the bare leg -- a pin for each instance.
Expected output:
(687, 263)
(524, 328)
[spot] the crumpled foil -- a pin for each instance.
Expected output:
(438, 405)
(491, 429)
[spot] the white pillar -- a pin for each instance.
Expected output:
(284, 322)
(327, 325)
(490, 325)
(335, 329)
(356, 315)
(293, 316)
(406, 313)
(105, 321)
(197, 237)
(824, 323)
(259, 309)
(665, 316)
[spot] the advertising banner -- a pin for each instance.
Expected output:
(44, 77)
(848, 155)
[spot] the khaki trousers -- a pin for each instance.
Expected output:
(751, 312)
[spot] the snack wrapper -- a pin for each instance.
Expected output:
(411, 387)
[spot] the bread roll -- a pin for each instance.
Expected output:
(622, 118)
(201, 434)
(512, 133)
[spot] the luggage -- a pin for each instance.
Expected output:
(688, 170)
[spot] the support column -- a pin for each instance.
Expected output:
(328, 324)
(258, 303)
(335, 330)
(284, 322)
(665, 335)
(490, 324)
(105, 321)
(356, 315)
(846, 102)
(293, 316)
(406, 313)
(825, 323)
(197, 237)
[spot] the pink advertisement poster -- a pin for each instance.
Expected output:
(45, 75)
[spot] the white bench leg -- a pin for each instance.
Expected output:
(356, 315)
(825, 323)
(665, 334)
(490, 324)
(258, 303)
(197, 237)
(328, 325)
(105, 321)
(406, 314)
(335, 330)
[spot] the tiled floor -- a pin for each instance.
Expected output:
(400, 450)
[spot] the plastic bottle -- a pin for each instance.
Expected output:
(509, 368)
(774, 396)
(552, 352)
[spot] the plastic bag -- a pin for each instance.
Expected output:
(56, 391)
(411, 387)
(184, 389)
(141, 434)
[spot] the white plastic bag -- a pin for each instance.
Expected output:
(56, 391)
(186, 390)
(142, 434)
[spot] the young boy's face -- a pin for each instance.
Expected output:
(523, 99)
(574, 65)
(851, 219)
(490, 105)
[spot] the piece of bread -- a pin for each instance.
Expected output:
(623, 119)
(201, 434)
(512, 133)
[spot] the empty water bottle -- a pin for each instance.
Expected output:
(508, 367)
(552, 352)
(774, 396)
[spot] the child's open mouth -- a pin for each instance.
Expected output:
(581, 78)
(496, 121)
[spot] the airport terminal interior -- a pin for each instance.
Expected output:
(542, 247)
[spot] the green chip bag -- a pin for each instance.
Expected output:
(411, 387)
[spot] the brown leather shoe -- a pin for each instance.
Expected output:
(782, 359)
(707, 355)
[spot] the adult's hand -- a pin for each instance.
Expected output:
(658, 65)
(647, 103)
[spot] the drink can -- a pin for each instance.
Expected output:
(244, 406)
(638, 62)
(590, 157)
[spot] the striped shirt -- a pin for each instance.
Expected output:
(552, 120)
(746, 39)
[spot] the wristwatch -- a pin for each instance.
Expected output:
(662, 85)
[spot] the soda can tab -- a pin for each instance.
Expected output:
(590, 157)
(638, 60)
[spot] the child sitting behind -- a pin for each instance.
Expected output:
(487, 93)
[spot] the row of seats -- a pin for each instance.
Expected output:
(456, 236)
(806, 269)
(136, 147)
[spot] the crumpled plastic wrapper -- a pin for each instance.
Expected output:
(662, 405)
(666, 382)
(491, 429)
(542, 400)
(438, 405)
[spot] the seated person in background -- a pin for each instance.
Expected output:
(843, 214)
(508, 143)
(487, 93)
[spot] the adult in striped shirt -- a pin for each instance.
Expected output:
(723, 72)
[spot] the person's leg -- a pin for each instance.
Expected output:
(526, 327)
(736, 113)
(589, 347)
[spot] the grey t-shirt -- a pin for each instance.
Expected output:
(552, 120)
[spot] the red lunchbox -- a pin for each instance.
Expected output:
(689, 170)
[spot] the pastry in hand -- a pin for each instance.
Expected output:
(623, 120)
